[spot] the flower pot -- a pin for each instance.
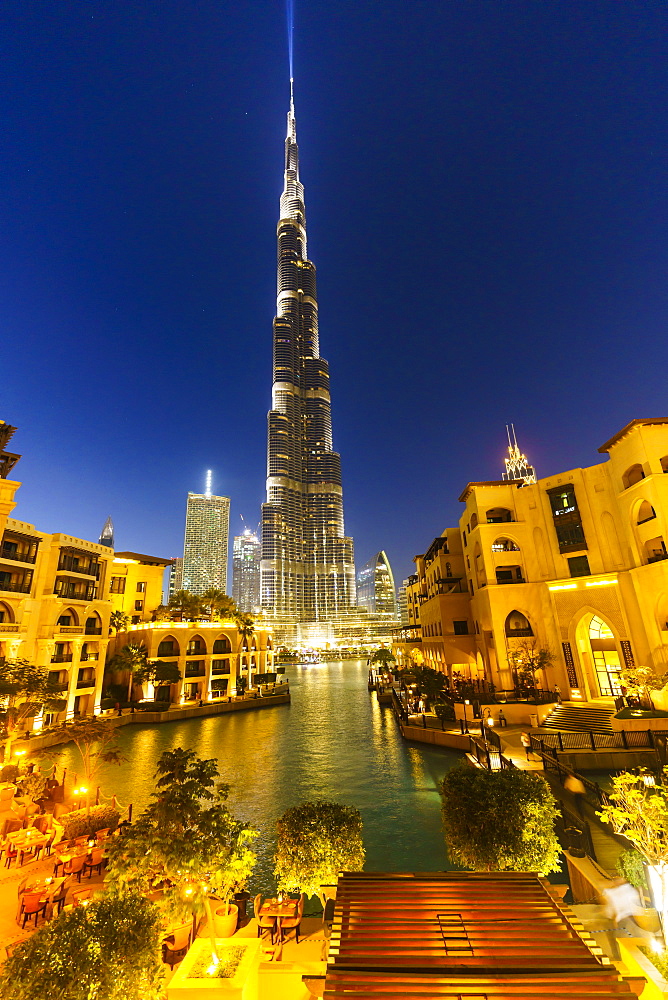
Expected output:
(225, 920)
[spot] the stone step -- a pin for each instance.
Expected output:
(580, 718)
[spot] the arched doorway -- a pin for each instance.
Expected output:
(596, 638)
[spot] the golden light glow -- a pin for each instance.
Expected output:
(564, 586)
(600, 583)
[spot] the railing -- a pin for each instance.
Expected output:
(9, 627)
(489, 757)
(93, 631)
(70, 594)
(574, 832)
(24, 557)
(593, 791)
(67, 564)
(219, 670)
(86, 682)
(519, 633)
(61, 658)
(69, 629)
(88, 656)
(625, 739)
(197, 672)
(16, 588)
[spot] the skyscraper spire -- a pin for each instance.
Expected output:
(517, 464)
(307, 569)
(107, 534)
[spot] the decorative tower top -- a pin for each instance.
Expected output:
(107, 534)
(517, 464)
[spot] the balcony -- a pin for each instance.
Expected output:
(14, 556)
(71, 593)
(86, 682)
(9, 627)
(519, 633)
(195, 671)
(69, 629)
(219, 670)
(61, 658)
(93, 631)
(89, 656)
(657, 557)
(71, 564)
(504, 582)
(16, 587)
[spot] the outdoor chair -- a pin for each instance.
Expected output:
(58, 899)
(328, 915)
(12, 825)
(82, 895)
(96, 861)
(75, 866)
(11, 853)
(32, 903)
(33, 849)
(175, 945)
(293, 923)
(263, 923)
(41, 823)
(102, 834)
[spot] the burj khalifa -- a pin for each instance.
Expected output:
(307, 568)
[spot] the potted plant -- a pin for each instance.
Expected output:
(227, 882)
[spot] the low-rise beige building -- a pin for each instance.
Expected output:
(136, 585)
(209, 655)
(54, 608)
(576, 561)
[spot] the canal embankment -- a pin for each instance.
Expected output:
(177, 713)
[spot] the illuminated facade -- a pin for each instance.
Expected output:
(136, 582)
(205, 549)
(54, 603)
(576, 562)
(375, 587)
(246, 553)
(307, 568)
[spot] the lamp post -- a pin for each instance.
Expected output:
(466, 725)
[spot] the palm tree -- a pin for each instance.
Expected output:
(218, 603)
(132, 657)
(183, 604)
(245, 627)
(118, 620)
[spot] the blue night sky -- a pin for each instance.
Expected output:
(486, 199)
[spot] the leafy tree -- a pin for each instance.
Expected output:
(157, 673)
(241, 685)
(96, 741)
(528, 658)
(638, 810)
(444, 712)
(25, 691)
(499, 820)
(430, 682)
(640, 682)
(186, 842)
(316, 841)
(383, 657)
(219, 604)
(119, 621)
(184, 606)
(108, 950)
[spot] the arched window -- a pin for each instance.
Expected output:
(94, 625)
(518, 625)
(68, 618)
(632, 476)
(505, 545)
(269, 645)
(196, 646)
(6, 614)
(474, 521)
(599, 630)
(222, 645)
(645, 512)
(168, 647)
(498, 515)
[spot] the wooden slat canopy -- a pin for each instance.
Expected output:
(500, 935)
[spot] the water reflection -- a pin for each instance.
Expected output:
(334, 741)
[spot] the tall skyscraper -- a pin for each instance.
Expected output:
(205, 550)
(107, 534)
(307, 569)
(375, 587)
(246, 552)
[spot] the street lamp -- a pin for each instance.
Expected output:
(466, 725)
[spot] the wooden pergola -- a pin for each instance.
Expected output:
(501, 935)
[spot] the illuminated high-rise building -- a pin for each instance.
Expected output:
(205, 550)
(375, 587)
(307, 569)
(246, 552)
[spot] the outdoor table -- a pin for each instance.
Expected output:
(47, 886)
(64, 857)
(278, 908)
(27, 840)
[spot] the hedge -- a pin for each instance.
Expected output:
(80, 824)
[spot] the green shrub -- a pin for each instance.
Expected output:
(79, 824)
(630, 866)
(444, 712)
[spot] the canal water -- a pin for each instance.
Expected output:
(333, 741)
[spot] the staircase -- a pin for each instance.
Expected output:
(580, 718)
